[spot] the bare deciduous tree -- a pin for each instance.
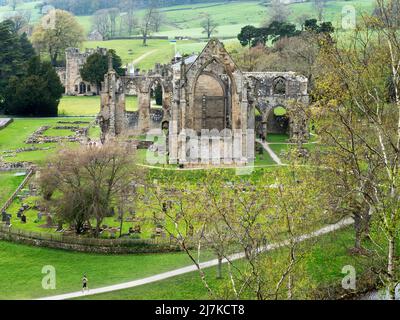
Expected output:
(91, 181)
(279, 12)
(319, 6)
(147, 23)
(101, 23)
(209, 25)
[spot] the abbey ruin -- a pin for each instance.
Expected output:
(70, 76)
(204, 97)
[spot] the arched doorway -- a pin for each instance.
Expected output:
(278, 120)
(157, 95)
(82, 88)
(210, 103)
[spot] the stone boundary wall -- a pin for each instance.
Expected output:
(88, 245)
(5, 122)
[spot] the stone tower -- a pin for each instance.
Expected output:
(112, 117)
(73, 83)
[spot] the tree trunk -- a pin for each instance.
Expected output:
(219, 268)
(391, 268)
(290, 285)
(97, 231)
(358, 231)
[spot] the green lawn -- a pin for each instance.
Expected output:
(14, 136)
(280, 150)
(324, 265)
(185, 20)
(88, 106)
(277, 138)
(264, 159)
(9, 181)
(161, 51)
(21, 277)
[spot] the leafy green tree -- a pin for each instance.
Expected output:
(279, 30)
(37, 93)
(326, 27)
(252, 36)
(311, 25)
(360, 129)
(57, 31)
(96, 67)
(247, 35)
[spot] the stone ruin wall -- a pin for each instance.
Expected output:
(247, 91)
(70, 76)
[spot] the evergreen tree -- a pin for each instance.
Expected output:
(15, 52)
(96, 67)
(37, 93)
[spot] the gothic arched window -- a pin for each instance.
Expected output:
(280, 86)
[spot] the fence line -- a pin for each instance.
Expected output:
(20, 187)
(74, 240)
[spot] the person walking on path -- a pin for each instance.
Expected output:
(85, 282)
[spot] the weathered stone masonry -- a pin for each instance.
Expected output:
(70, 76)
(205, 92)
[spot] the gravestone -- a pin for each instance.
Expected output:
(49, 221)
(3, 216)
(8, 220)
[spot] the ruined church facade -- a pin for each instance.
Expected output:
(70, 75)
(205, 97)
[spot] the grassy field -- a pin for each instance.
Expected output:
(21, 266)
(157, 51)
(88, 106)
(185, 20)
(20, 270)
(9, 181)
(14, 136)
(6, 11)
(161, 51)
(323, 266)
